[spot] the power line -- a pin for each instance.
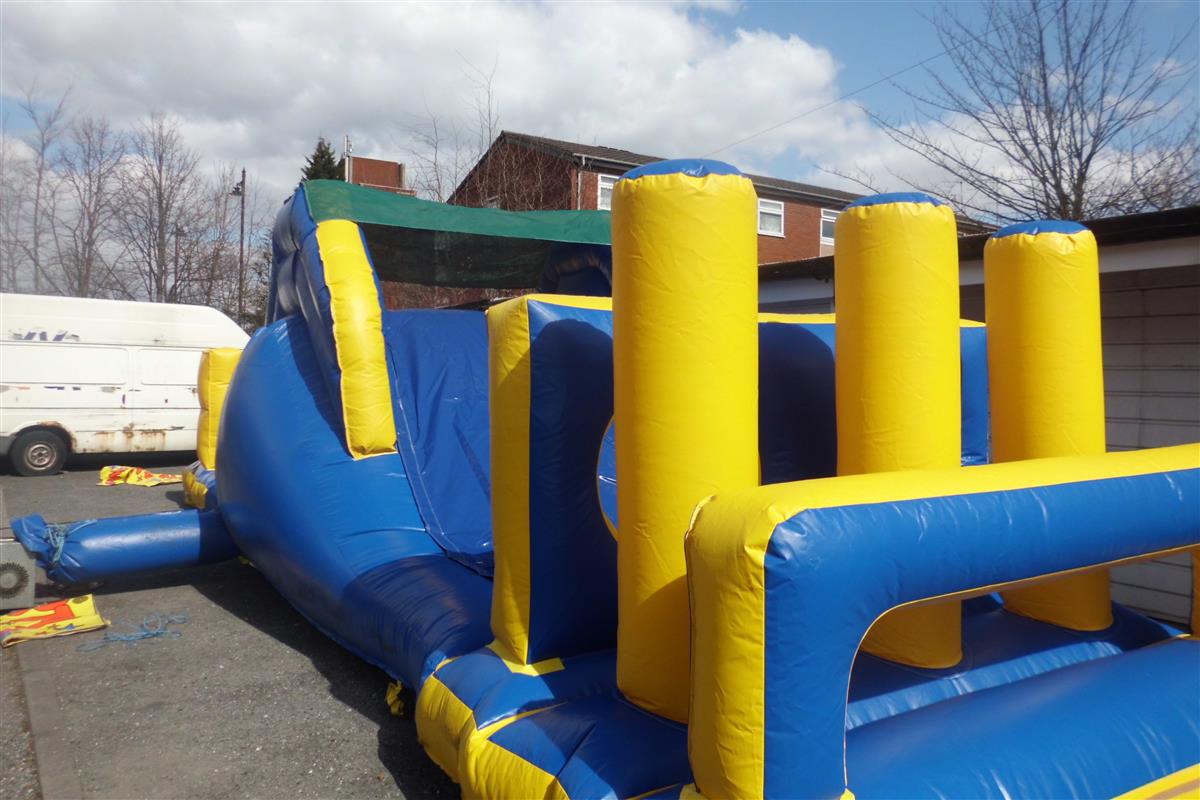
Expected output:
(824, 106)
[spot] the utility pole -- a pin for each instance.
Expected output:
(239, 191)
(162, 287)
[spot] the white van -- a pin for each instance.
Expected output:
(96, 376)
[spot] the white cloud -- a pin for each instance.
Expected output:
(256, 83)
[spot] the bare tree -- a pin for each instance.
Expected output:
(518, 176)
(88, 168)
(438, 159)
(218, 286)
(1056, 109)
(443, 150)
(160, 214)
(219, 280)
(254, 280)
(131, 215)
(13, 199)
(49, 121)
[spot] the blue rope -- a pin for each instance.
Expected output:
(154, 626)
(56, 537)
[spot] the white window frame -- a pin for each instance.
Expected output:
(773, 207)
(601, 181)
(827, 215)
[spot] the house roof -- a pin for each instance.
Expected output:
(622, 160)
(1148, 226)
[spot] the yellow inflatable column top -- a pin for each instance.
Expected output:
(1046, 376)
(212, 384)
(685, 349)
(899, 401)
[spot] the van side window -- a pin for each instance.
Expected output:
(168, 366)
(41, 363)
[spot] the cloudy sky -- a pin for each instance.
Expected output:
(256, 83)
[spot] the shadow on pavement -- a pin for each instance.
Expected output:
(242, 591)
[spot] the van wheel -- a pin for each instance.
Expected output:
(37, 453)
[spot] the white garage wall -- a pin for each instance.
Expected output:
(1151, 322)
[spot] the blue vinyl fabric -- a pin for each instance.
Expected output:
(695, 167)
(1000, 649)
(896, 197)
(342, 540)
(485, 684)
(797, 409)
(207, 477)
(798, 412)
(601, 746)
(1040, 226)
(298, 286)
(438, 366)
(572, 554)
(578, 269)
(1082, 731)
(100, 549)
(830, 572)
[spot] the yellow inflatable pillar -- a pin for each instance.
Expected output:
(212, 384)
(216, 371)
(899, 403)
(1046, 378)
(685, 351)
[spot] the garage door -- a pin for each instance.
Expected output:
(1152, 392)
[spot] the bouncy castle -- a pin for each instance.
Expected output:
(662, 545)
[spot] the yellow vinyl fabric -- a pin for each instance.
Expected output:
(898, 375)
(508, 406)
(442, 722)
(49, 620)
(195, 492)
(135, 476)
(726, 549)
(1181, 785)
(366, 396)
(1042, 298)
(685, 350)
(487, 770)
(727, 587)
(212, 384)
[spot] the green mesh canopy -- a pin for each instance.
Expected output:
(435, 244)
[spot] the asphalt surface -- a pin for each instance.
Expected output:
(249, 701)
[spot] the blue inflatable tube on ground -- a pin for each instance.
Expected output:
(99, 549)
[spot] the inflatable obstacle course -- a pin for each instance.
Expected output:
(666, 546)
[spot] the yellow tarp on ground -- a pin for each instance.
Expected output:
(111, 476)
(60, 618)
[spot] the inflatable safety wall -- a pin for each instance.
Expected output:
(323, 273)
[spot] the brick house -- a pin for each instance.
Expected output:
(520, 172)
(374, 173)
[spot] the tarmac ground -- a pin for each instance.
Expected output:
(249, 701)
